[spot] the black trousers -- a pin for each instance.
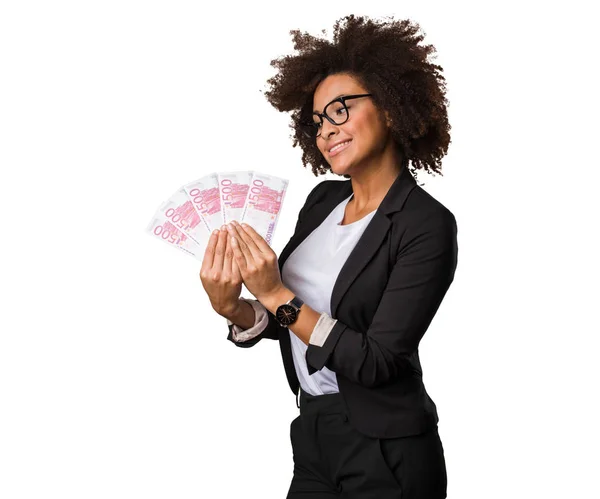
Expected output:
(332, 459)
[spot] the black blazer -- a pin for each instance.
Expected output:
(384, 299)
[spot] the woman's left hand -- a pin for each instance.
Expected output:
(256, 261)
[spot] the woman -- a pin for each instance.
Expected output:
(366, 269)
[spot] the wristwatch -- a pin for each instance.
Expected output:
(287, 313)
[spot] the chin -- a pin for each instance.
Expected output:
(341, 168)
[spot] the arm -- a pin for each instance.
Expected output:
(310, 327)
(265, 325)
(248, 321)
(419, 280)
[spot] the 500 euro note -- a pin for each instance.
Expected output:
(205, 197)
(179, 210)
(263, 204)
(161, 228)
(233, 190)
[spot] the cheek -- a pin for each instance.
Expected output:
(373, 133)
(365, 136)
(366, 126)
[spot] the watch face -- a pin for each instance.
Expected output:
(286, 314)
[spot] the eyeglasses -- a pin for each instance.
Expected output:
(337, 108)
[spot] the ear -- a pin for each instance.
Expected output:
(388, 118)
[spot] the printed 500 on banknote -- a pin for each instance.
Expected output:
(187, 218)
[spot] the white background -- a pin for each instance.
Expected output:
(116, 378)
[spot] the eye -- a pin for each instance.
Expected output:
(338, 108)
(315, 124)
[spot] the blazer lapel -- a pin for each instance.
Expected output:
(362, 253)
(315, 218)
(373, 236)
(316, 215)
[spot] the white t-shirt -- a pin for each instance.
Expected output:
(310, 272)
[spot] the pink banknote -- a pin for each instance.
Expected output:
(206, 199)
(188, 217)
(263, 204)
(160, 228)
(179, 210)
(233, 190)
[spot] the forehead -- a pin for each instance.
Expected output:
(333, 87)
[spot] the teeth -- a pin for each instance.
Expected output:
(338, 146)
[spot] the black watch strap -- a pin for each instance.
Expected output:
(296, 301)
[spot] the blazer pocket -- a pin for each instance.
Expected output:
(390, 452)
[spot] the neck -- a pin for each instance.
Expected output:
(372, 183)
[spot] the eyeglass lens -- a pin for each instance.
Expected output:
(336, 111)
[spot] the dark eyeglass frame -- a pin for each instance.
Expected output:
(313, 129)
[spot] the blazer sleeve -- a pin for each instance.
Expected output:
(260, 321)
(272, 328)
(423, 271)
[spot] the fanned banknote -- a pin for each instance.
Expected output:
(263, 204)
(206, 199)
(179, 210)
(160, 228)
(188, 217)
(233, 190)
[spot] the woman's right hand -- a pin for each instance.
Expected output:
(220, 275)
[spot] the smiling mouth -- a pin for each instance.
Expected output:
(340, 147)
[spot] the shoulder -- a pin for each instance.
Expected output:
(322, 189)
(424, 224)
(327, 186)
(423, 210)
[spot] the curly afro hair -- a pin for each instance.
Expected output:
(385, 57)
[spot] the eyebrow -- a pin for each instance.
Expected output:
(341, 95)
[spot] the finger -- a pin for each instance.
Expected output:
(209, 252)
(235, 234)
(235, 268)
(261, 244)
(229, 261)
(220, 251)
(240, 257)
(236, 272)
(247, 245)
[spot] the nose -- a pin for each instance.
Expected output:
(328, 129)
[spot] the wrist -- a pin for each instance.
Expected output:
(242, 315)
(272, 301)
(232, 311)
